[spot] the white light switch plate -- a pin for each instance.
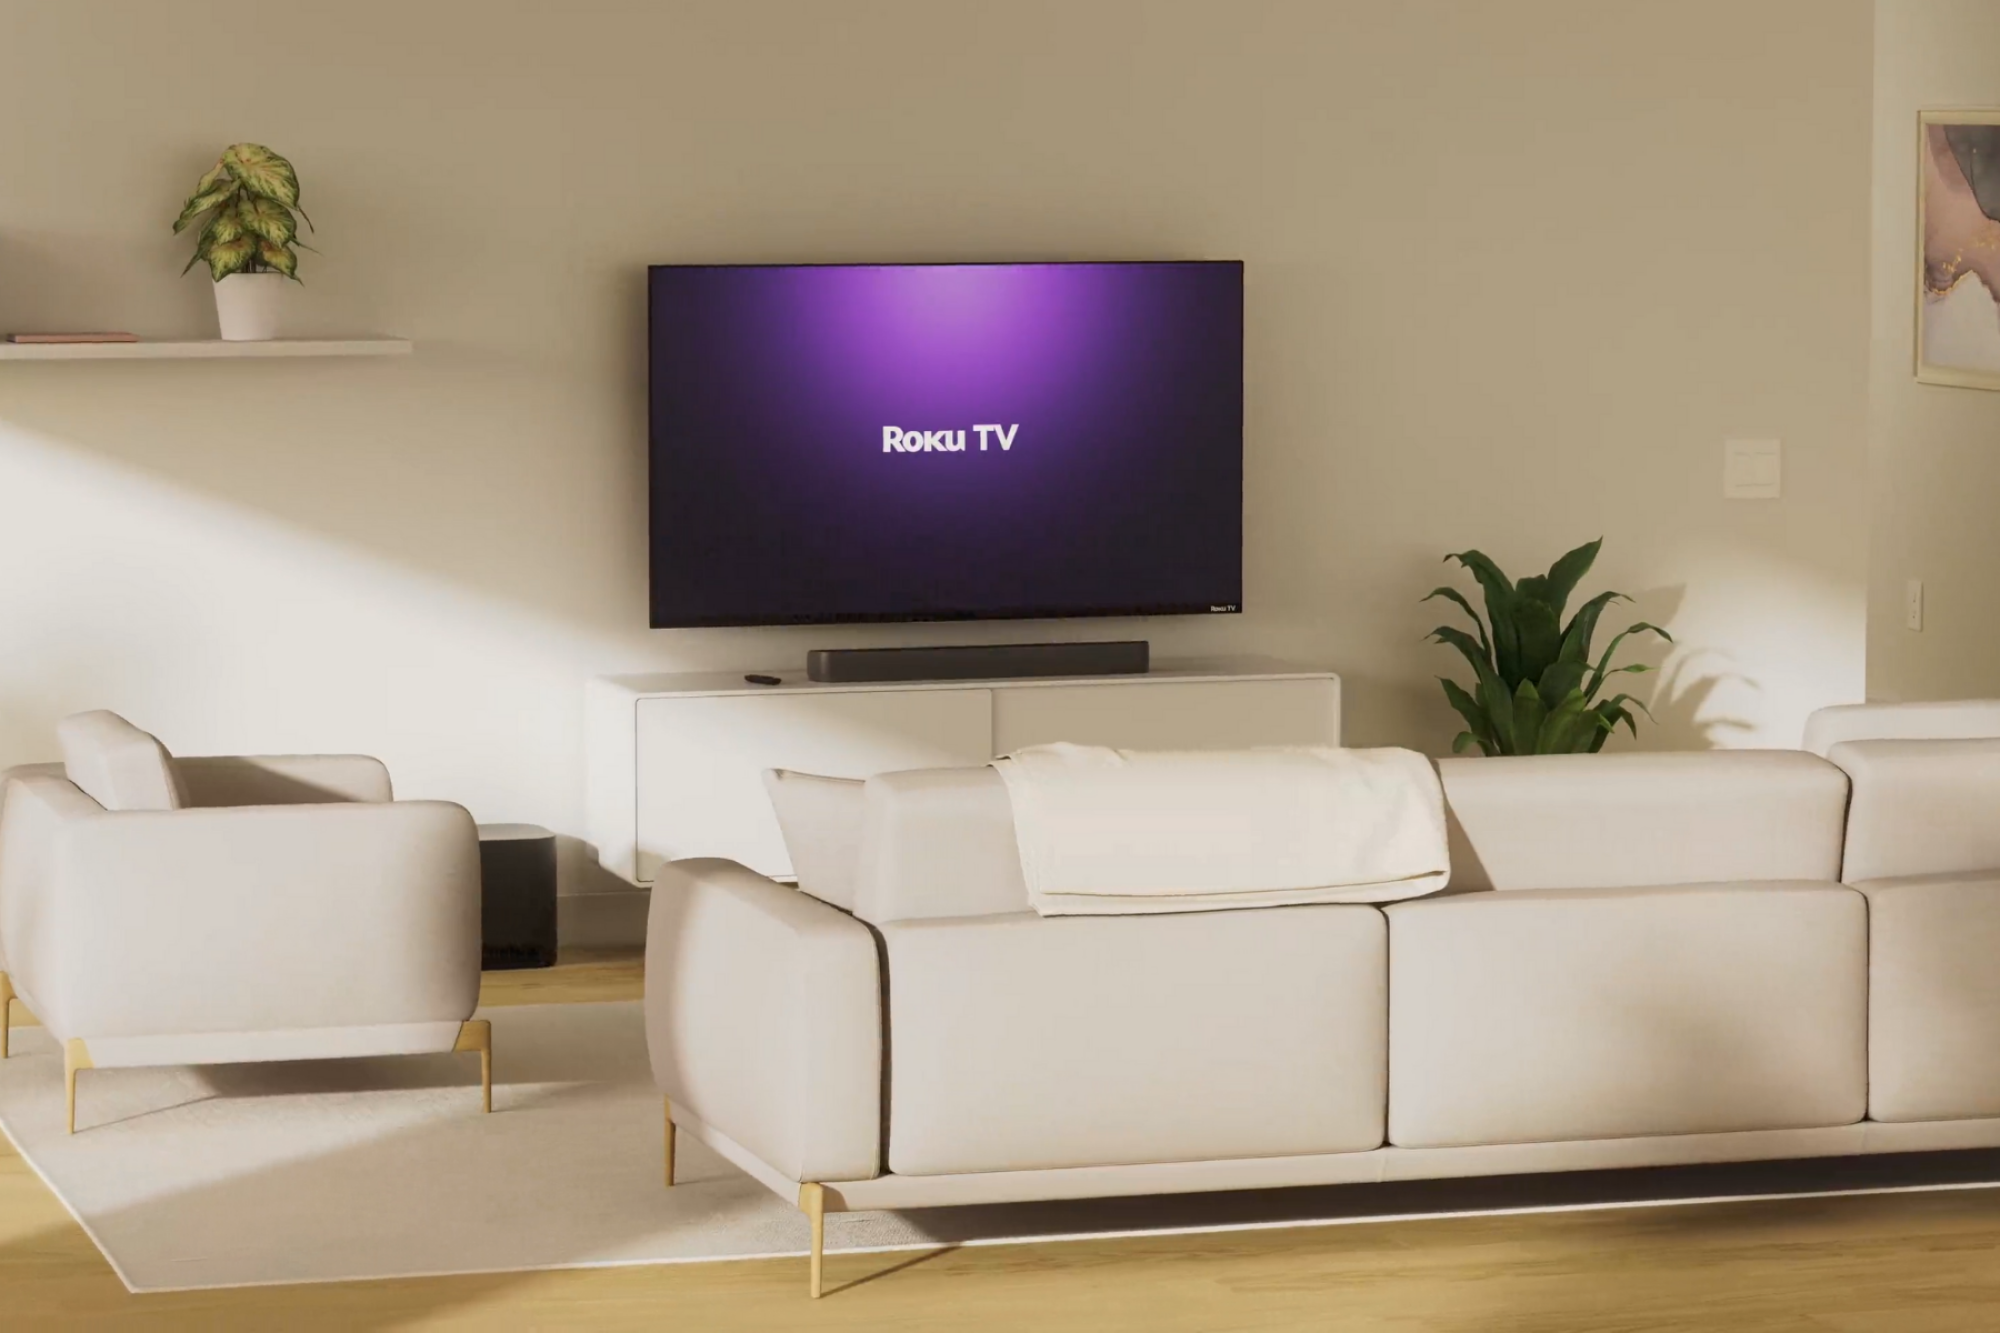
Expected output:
(1751, 469)
(1913, 604)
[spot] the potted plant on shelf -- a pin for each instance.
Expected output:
(245, 206)
(1537, 690)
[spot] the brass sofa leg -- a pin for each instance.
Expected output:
(76, 1057)
(671, 1134)
(6, 1010)
(812, 1199)
(477, 1035)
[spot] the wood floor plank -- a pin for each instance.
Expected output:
(580, 976)
(1907, 1263)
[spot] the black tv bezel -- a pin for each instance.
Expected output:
(1125, 612)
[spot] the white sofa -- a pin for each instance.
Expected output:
(1643, 960)
(216, 910)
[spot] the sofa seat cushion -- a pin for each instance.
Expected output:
(1021, 1042)
(1934, 997)
(1544, 1015)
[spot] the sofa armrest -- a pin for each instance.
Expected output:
(764, 1018)
(282, 779)
(250, 919)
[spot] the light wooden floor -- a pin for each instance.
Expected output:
(1926, 1263)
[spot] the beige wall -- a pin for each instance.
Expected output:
(1935, 460)
(1515, 272)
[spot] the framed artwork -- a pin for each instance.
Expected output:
(1958, 248)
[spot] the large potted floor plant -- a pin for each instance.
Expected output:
(244, 207)
(1536, 690)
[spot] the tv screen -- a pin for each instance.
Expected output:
(945, 441)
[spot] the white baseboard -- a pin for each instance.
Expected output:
(600, 920)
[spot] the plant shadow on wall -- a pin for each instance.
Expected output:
(1537, 689)
(1683, 695)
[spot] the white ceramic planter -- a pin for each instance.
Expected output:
(247, 306)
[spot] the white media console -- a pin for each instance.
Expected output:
(676, 762)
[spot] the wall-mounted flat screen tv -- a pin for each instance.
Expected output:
(848, 443)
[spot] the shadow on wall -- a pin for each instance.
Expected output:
(1679, 690)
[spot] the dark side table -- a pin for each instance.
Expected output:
(517, 878)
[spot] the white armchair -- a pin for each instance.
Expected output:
(211, 911)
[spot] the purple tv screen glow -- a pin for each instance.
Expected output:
(945, 442)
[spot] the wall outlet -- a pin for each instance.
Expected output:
(1913, 604)
(1752, 469)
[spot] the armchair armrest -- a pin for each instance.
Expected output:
(764, 1018)
(35, 802)
(300, 916)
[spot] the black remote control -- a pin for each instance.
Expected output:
(755, 679)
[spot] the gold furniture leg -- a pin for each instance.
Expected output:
(6, 1010)
(477, 1035)
(670, 1145)
(76, 1056)
(812, 1199)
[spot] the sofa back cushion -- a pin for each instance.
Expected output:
(1921, 807)
(1609, 821)
(938, 842)
(116, 764)
(820, 819)
(1950, 719)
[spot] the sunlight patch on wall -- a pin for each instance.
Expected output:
(226, 632)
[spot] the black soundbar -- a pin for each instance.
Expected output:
(1000, 661)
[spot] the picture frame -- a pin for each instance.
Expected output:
(1958, 249)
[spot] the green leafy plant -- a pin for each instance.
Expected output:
(1537, 689)
(247, 199)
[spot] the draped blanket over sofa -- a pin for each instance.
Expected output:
(1119, 832)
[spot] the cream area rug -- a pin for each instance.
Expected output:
(335, 1170)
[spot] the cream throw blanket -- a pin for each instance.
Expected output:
(1110, 832)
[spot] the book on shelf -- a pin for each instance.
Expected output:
(72, 337)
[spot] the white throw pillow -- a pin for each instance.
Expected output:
(821, 820)
(116, 764)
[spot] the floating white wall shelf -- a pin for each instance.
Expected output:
(204, 349)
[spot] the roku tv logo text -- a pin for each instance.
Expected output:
(896, 440)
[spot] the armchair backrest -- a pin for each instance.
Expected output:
(116, 764)
(1921, 807)
(1617, 821)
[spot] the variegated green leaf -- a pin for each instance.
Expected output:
(278, 257)
(215, 176)
(201, 201)
(266, 218)
(224, 227)
(263, 172)
(230, 256)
